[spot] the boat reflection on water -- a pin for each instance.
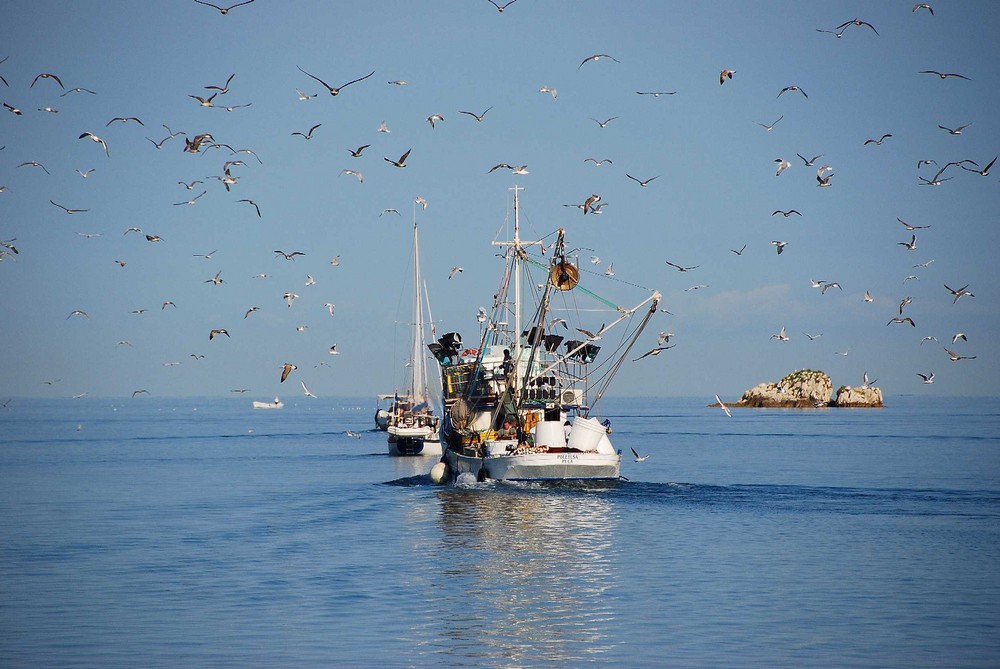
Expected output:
(528, 574)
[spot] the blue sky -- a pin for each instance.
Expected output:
(715, 191)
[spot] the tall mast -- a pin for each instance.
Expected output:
(417, 360)
(516, 264)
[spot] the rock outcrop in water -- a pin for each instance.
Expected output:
(863, 397)
(803, 388)
(809, 388)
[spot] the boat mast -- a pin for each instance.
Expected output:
(516, 264)
(417, 390)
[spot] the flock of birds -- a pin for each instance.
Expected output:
(239, 159)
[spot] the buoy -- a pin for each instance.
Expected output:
(439, 472)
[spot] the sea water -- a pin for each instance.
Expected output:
(202, 533)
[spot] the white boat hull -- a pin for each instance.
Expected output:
(413, 441)
(267, 405)
(558, 466)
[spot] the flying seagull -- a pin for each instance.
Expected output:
(98, 140)
(722, 405)
(308, 135)
(305, 390)
(945, 75)
(335, 90)
(642, 183)
(654, 351)
(478, 117)
(769, 128)
(638, 458)
(224, 10)
(287, 369)
(681, 268)
(792, 88)
(212, 334)
(877, 142)
(400, 162)
(595, 57)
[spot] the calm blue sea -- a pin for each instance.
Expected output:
(201, 533)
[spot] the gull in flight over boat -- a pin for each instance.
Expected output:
(140, 392)
(254, 205)
(928, 378)
(287, 369)
(310, 281)
(877, 142)
(958, 335)
(330, 306)
(725, 74)
(289, 256)
(597, 162)
(638, 458)
(383, 128)
(856, 22)
(910, 245)
(955, 131)
(595, 57)
(955, 357)
(97, 139)
(191, 201)
(333, 350)
(551, 91)
(307, 135)
(206, 256)
(786, 214)
(827, 285)
(781, 336)
(224, 10)
(782, 166)
(358, 175)
(866, 382)
(912, 227)
(812, 337)
(928, 338)
(215, 332)
(654, 351)
(305, 390)
(983, 172)
(78, 312)
(478, 117)
(250, 311)
(357, 152)
(811, 161)
(85, 174)
(656, 94)
(740, 252)
(335, 90)
(290, 298)
(455, 270)
(46, 75)
(502, 7)
(433, 118)
(779, 245)
(400, 162)
(945, 75)
(868, 297)
(722, 405)
(906, 319)
(605, 122)
(304, 96)
(389, 211)
(904, 303)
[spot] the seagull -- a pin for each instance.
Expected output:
(681, 268)
(912, 227)
(551, 91)
(955, 131)
(769, 128)
(866, 382)
(605, 122)
(140, 392)
(906, 301)
(358, 175)
(400, 162)
(304, 96)
(779, 246)
(455, 270)
(78, 312)
(868, 297)
(310, 281)
(224, 10)
(902, 320)
(389, 211)
(357, 152)
(698, 287)
(191, 201)
(959, 293)
(308, 135)
(781, 336)
(168, 303)
(597, 162)
(725, 74)
(13, 110)
(421, 201)
(638, 458)
(335, 90)
(478, 117)
(124, 119)
(591, 335)
(812, 337)
(955, 357)
(740, 252)
(810, 162)
(786, 214)
(782, 166)
(791, 88)
(502, 7)
(191, 185)
(719, 403)
(34, 163)
(831, 284)
(216, 280)
(655, 94)
(250, 311)
(287, 369)
(822, 181)
(159, 145)
(98, 140)
(654, 351)
(595, 57)
(289, 256)
(397, 82)
(877, 142)
(333, 350)
(254, 206)
(945, 75)
(212, 334)
(911, 276)
(642, 183)
(69, 211)
(290, 298)
(910, 245)
(817, 283)
(154, 238)
(204, 102)
(928, 338)
(664, 337)
(352, 433)
(433, 118)
(958, 335)
(46, 75)
(384, 128)
(307, 392)
(90, 235)
(933, 182)
(857, 22)
(983, 172)
(928, 378)
(330, 307)
(924, 5)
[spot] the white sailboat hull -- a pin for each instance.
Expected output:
(559, 466)
(413, 441)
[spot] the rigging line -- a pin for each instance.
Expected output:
(617, 280)
(631, 343)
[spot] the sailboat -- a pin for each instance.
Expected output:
(508, 402)
(411, 422)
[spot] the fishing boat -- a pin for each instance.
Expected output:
(412, 425)
(520, 404)
(276, 404)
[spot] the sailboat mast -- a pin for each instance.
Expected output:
(417, 390)
(516, 353)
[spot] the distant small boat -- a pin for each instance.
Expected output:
(276, 404)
